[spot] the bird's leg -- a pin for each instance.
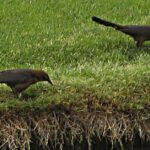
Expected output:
(16, 94)
(19, 95)
(18, 88)
(139, 43)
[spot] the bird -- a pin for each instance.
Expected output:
(20, 79)
(138, 33)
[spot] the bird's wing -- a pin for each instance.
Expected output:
(12, 77)
(133, 30)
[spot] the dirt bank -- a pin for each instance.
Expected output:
(91, 125)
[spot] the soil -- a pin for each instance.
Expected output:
(92, 124)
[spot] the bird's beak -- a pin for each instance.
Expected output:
(50, 82)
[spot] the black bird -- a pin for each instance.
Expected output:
(20, 79)
(138, 33)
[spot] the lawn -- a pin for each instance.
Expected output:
(79, 55)
(97, 72)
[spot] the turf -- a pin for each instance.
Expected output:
(79, 55)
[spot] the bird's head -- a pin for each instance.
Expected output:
(43, 76)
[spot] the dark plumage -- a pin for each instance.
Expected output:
(20, 79)
(138, 33)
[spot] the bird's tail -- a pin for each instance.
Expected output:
(106, 23)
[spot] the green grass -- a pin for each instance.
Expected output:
(60, 38)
